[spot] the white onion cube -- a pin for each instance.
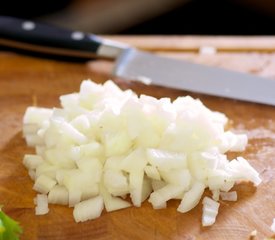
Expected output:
(41, 204)
(88, 209)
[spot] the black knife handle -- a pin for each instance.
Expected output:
(38, 37)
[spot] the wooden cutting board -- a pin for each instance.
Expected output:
(25, 81)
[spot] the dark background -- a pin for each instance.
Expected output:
(200, 17)
(209, 17)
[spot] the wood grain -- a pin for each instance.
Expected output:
(23, 79)
(194, 43)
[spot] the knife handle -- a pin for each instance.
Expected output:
(37, 37)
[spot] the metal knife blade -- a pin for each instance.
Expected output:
(137, 65)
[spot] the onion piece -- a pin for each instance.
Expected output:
(166, 160)
(32, 174)
(240, 169)
(216, 194)
(30, 129)
(229, 196)
(192, 197)
(42, 204)
(115, 182)
(31, 161)
(44, 184)
(33, 140)
(112, 203)
(180, 177)
(135, 161)
(88, 209)
(158, 184)
(58, 195)
(152, 172)
(159, 197)
(36, 115)
(136, 179)
(209, 211)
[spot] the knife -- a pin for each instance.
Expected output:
(132, 64)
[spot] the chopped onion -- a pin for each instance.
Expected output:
(209, 211)
(229, 196)
(112, 203)
(192, 197)
(41, 204)
(116, 182)
(216, 194)
(152, 172)
(32, 174)
(36, 115)
(59, 195)
(44, 184)
(32, 161)
(162, 195)
(157, 184)
(135, 186)
(33, 140)
(166, 160)
(104, 144)
(88, 209)
(180, 177)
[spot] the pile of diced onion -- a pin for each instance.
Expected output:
(108, 148)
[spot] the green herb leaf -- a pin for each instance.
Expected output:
(9, 229)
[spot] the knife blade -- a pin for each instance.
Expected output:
(132, 64)
(180, 74)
